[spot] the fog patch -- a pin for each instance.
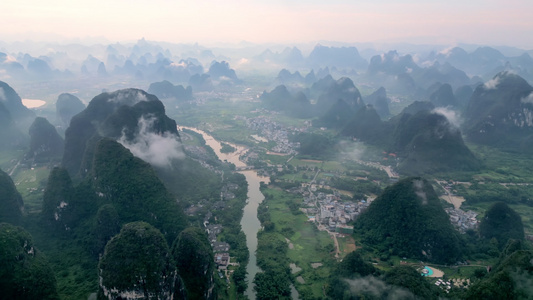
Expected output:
(2, 95)
(419, 185)
(447, 52)
(181, 64)
(158, 150)
(492, 84)
(243, 61)
(377, 288)
(351, 150)
(4, 75)
(528, 98)
(453, 117)
(128, 97)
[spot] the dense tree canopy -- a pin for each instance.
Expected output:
(408, 219)
(501, 222)
(195, 263)
(138, 261)
(11, 205)
(24, 271)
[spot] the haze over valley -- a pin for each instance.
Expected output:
(269, 151)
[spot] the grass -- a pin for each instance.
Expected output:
(31, 183)
(346, 244)
(8, 159)
(308, 244)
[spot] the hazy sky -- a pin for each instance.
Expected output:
(491, 22)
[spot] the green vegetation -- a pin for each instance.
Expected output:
(146, 270)
(273, 282)
(45, 143)
(409, 278)
(407, 219)
(31, 182)
(501, 223)
(314, 145)
(194, 262)
(354, 278)
(227, 148)
(24, 271)
(309, 249)
(11, 204)
(110, 187)
(132, 186)
(511, 277)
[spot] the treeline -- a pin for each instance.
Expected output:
(232, 233)
(274, 280)
(495, 192)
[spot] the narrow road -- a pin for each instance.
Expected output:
(14, 168)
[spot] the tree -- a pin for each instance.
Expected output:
(11, 204)
(57, 195)
(409, 278)
(501, 223)
(195, 262)
(24, 271)
(137, 261)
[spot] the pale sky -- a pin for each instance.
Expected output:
(490, 22)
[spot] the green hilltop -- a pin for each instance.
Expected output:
(408, 219)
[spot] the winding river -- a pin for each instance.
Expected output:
(249, 223)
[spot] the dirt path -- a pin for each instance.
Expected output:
(14, 168)
(337, 250)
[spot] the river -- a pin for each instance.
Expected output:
(249, 223)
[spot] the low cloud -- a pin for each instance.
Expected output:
(419, 185)
(351, 150)
(2, 95)
(452, 116)
(378, 288)
(181, 64)
(158, 150)
(492, 84)
(528, 98)
(128, 97)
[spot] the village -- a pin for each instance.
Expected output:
(272, 131)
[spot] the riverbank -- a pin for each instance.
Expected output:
(249, 223)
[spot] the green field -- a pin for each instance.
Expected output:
(31, 184)
(307, 245)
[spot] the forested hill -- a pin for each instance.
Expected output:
(409, 219)
(118, 114)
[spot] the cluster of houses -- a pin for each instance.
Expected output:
(462, 220)
(329, 210)
(220, 249)
(273, 131)
(445, 285)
